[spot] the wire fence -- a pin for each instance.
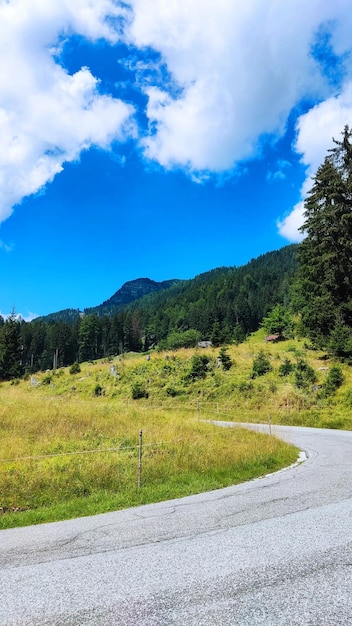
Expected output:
(209, 408)
(201, 410)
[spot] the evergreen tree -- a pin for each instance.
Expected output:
(11, 349)
(199, 367)
(238, 334)
(323, 290)
(215, 336)
(278, 321)
(89, 340)
(225, 359)
(261, 365)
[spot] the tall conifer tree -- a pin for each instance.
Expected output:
(324, 281)
(10, 349)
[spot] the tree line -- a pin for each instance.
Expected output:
(221, 306)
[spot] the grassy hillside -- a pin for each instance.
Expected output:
(167, 379)
(69, 441)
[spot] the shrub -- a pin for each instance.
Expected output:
(304, 374)
(139, 391)
(286, 368)
(178, 339)
(334, 380)
(199, 366)
(98, 390)
(300, 383)
(278, 321)
(340, 341)
(75, 368)
(225, 359)
(261, 365)
(238, 334)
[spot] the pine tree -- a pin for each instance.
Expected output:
(89, 338)
(278, 321)
(215, 336)
(324, 280)
(10, 349)
(225, 359)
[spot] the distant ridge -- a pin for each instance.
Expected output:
(129, 292)
(226, 295)
(65, 315)
(135, 289)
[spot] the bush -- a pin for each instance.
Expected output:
(225, 359)
(75, 368)
(334, 380)
(178, 339)
(98, 390)
(261, 365)
(286, 368)
(199, 366)
(139, 391)
(238, 334)
(304, 374)
(278, 322)
(309, 373)
(340, 341)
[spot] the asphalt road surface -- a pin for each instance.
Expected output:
(274, 551)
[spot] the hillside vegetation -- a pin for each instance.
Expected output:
(69, 441)
(46, 420)
(290, 380)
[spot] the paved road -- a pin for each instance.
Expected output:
(274, 551)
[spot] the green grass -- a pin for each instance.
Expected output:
(61, 415)
(44, 476)
(165, 379)
(174, 486)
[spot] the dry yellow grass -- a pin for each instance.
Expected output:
(43, 473)
(94, 411)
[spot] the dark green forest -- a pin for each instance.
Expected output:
(221, 306)
(308, 285)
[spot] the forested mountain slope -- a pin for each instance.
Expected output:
(224, 300)
(222, 305)
(129, 292)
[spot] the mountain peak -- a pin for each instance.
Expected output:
(135, 289)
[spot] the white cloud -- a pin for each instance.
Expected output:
(47, 117)
(316, 130)
(318, 127)
(288, 226)
(241, 66)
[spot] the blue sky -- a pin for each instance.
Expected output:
(158, 139)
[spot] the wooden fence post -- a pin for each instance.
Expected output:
(269, 422)
(140, 452)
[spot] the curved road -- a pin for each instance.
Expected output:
(274, 551)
